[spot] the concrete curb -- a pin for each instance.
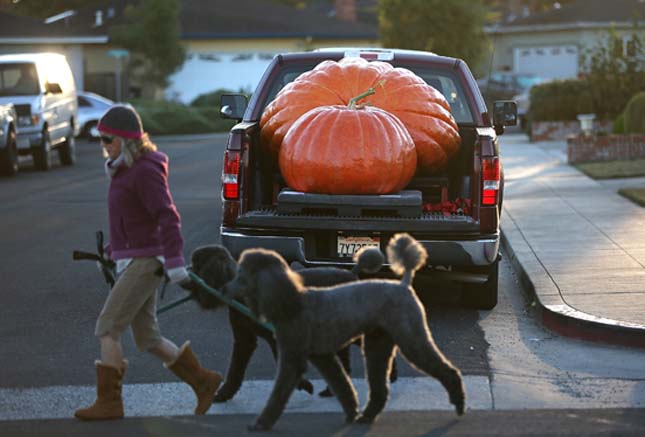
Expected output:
(553, 311)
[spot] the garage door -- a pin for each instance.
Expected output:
(549, 62)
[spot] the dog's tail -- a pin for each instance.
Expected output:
(406, 256)
(368, 260)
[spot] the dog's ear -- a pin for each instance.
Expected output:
(279, 293)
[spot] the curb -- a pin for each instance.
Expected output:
(553, 311)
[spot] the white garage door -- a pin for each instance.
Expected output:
(549, 62)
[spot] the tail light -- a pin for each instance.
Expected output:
(230, 175)
(490, 181)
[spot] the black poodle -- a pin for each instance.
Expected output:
(215, 265)
(312, 325)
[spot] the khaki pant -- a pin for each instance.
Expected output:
(132, 302)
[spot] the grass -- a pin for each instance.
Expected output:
(618, 169)
(636, 195)
(613, 169)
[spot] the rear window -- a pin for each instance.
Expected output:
(443, 81)
(18, 79)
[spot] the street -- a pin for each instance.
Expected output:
(516, 372)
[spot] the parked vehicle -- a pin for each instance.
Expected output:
(510, 86)
(42, 90)
(90, 109)
(259, 210)
(8, 148)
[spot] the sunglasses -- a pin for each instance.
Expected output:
(106, 139)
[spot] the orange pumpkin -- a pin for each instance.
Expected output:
(422, 109)
(347, 150)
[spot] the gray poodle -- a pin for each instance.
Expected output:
(312, 326)
(215, 265)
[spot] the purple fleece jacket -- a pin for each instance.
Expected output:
(143, 218)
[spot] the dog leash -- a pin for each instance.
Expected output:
(218, 294)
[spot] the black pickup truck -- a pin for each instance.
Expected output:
(462, 240)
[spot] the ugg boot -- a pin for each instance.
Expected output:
(108, 403)
(204, 382)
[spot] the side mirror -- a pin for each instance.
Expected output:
(504, 114)
(232, 106)
(53, 88)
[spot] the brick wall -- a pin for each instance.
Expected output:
(605, 148)
(561, 130)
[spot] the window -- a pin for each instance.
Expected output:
(18, 80)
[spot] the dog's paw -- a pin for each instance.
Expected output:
(364, 419)
(351, 418)
(306, 385)
(326, 393)
(223, 394)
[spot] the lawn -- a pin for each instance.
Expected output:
(618, 169)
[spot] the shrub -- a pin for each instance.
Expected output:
(635, 114)
(167, 118)
(619, 124)
(211, 99)
(560, 100)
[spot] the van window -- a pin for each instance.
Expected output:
(18, 80)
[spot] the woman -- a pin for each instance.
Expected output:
(145, 234)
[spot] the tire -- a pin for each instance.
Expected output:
(483, 296)
(43, 153)
(87, 130)
(67, 150)
(9, 156)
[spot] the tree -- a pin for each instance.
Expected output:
(451, 28)
(152, 35)
(615, 69)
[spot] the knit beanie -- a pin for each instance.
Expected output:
(122, 121)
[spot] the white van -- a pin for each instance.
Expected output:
(42, 90)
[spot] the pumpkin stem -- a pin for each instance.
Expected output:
(352, 102)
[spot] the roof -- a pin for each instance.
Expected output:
(199, 19)
(580, 14)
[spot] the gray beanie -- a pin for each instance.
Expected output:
(122, 121)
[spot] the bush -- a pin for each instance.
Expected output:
(167, 118)
(619, 124)
(635, 114)
(211, 99)
(560, 100)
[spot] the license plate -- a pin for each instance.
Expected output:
(348, 245)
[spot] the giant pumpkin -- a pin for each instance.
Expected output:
(347, 150)
(423, 110)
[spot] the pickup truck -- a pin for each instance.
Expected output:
(8, 147)
(462, 240)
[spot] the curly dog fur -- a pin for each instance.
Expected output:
(215, 265)
(312, 326)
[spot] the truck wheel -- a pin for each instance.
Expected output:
(9, 156)
(67, 150)
(43, 153)
(483, 296)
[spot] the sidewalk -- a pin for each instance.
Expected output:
(578, 245)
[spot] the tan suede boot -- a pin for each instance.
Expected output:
(108, 403)
(204, 382)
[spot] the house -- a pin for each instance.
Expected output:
(228, 43)
(549, 44)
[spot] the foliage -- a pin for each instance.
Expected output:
(561, 100)
(450, 28)
(635, 114)
(615, 70)
(152, 34)
(166, 118)
(211, 99)
(619, 124)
